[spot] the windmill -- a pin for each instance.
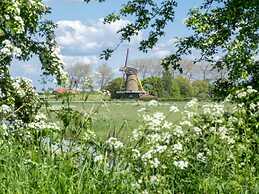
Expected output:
(133, 87)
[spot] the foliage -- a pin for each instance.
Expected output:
(150, 14)
(200, 88)
(225, 33)
(185, 86)
(153, 85)
(115, 85)
(167, 83)
(176, 93)
(24, 32)
(212, 147)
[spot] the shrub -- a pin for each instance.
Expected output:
(115, 85)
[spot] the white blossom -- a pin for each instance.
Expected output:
(173, 109)
(177, 147)
(155, 163)
(181, 164)
(114, 142)
(152, 103)
(98, 158)
(201, 157)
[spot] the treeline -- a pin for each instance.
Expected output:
(167, 87)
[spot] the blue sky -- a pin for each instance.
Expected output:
(82, 35)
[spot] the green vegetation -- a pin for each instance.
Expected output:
(167, 87)
(112, 116)
(182, 148)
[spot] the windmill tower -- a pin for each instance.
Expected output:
(133, 86)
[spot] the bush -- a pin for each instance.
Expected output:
(114, 86)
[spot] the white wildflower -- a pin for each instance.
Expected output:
(177, 147)
(160, 149)
(250, 90)
(5, 109)
(241, 94)
(186, 123)
(201, 157)
(191, 103)
(197, 130)
(136, 134)
(167, 125)
(152, 103)
(147, 155)
(173, 109)
(155, 163)
(135, 153)
(114, 142)
(178, 131)
(98, 158)
(141, 109)
(153, 179)
(181, 164)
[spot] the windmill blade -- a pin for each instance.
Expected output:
(124, 68)
(127, 56)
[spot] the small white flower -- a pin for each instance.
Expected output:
(155, 163)
(201, 157)
(191, 103)
(173, 109)
(197, 130)
(147, 155)
(5, 109)
(153, 179)
(141, 109)
(167, 125)
(152, 103)
(177, 147)
(114, 142)
(181, 164)
(160, 149)
(136, 153)
(241, 94)
(98, 158)
(178, 131)
(186, 123)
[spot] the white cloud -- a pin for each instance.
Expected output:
(164, 49)
(78, 38)
(71, 60)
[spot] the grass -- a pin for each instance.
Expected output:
(119, 116)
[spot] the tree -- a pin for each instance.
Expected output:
(104, 73)
(80, 74)
(227, 28)
(200, 88)
(115, 85)
(24, 32)
(153, 85)
(167, 83)
(147, 67)
(185, 86)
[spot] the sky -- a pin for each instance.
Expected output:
(81, 35)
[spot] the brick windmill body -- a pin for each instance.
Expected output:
(133, 87)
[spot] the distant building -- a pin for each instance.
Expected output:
(64, 90)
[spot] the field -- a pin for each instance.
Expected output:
(102, 146)
(122, 116)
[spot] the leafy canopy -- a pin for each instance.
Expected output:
(225, 33)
